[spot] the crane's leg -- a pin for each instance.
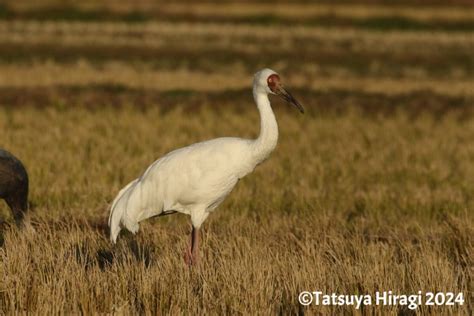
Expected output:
(191, 256)
(198, 216)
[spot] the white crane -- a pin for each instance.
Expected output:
(195, 179)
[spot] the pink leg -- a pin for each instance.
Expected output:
(191, 256)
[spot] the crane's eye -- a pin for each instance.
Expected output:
(273, 81)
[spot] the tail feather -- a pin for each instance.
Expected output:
(118, 216)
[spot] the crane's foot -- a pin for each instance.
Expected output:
(189, 258)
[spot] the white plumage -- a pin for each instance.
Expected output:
(194, 180)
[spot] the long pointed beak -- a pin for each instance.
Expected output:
(286, 95)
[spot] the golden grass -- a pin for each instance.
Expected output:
(352, 201)
(347, 203)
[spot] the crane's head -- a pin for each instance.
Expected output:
(268, 81)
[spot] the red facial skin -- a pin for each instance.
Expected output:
(273, 82)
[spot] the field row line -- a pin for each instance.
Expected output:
(163, 42)
(231, 31)
(285, 10)
(52, 74)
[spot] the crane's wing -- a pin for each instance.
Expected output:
(138, 200)
(117, 212)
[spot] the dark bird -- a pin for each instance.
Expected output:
(14, 185)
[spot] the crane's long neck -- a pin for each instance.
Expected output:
(267, 140)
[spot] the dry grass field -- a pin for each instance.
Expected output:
(371, 190)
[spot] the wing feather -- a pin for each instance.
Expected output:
(118, 210)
